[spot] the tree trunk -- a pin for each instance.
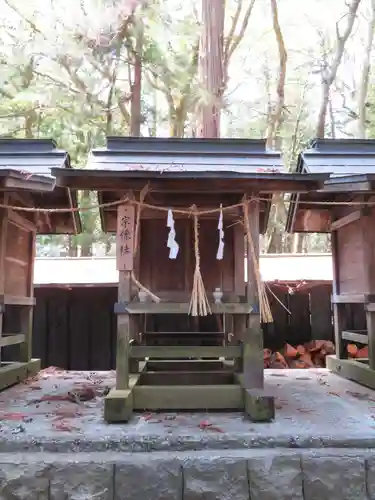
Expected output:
(365, 74)
(329, 73)
(275, 122)
(323, 108)
(211, 67)
(276, 119)
(136, 87)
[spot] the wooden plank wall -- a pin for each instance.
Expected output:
(76, 328)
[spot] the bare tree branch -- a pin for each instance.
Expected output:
(329, 72)
(29, 22)
(365, 73)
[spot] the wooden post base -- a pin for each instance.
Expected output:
(14, 372)
(118, 406)
(192, 385)
(259, 406)
(355, 370)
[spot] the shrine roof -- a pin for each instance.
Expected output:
(25, 166)
(350, 164)
(147, 158)
(338, 157)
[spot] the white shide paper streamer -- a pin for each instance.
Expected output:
(172, 243)
(220, 250)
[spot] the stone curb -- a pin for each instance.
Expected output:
(275, 474)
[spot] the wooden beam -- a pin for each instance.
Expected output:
(191, 397)
(350, 298)
(15, 372)
(14, 300)
(347, 219)
(191, 365)
(352, 336)
(23, 184)
(206, 185)
(177, 308)
(12, 339)
(354, 370)
(188, 377)
(175, 352)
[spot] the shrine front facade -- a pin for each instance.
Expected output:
(185, 212)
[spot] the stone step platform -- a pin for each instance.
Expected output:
(55, 445)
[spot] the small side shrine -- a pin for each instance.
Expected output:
(186, 211)
(345, 208)
(26, 185)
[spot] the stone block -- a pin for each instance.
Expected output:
(276, 477)
(82, 481)
(154, 479)
(24, 481)
(215, 479)
(371, 477)
(334, 478)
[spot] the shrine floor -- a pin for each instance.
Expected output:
(321, 445)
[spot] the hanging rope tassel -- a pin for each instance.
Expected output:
(265, 309)
(199, 305)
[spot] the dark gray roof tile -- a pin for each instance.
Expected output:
(185, 155)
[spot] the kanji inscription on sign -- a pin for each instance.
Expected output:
(125, 237)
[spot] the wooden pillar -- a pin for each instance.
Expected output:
(253, 363)
(123, 332)
(118, 405)
(370, 319)
(3, 239)
(258, 405)
(125, 266)
(338, 309)
(26, 313)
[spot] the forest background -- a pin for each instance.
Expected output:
(79, 70)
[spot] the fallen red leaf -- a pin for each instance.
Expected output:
(13, 416)
(208, 426)
(148, 416)
(204, 424)
(52, 398)
(214, 429)
(66, 413)
(63, 426)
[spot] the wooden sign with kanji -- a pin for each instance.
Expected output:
(125, 238)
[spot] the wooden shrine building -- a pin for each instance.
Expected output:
(189, 334)
(26, 183)
(345, 209)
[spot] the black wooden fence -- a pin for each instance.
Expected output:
(75, 328)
